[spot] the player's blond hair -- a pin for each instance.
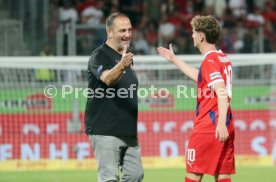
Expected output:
(208, 25)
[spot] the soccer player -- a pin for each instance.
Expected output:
(112, 106)
(211, 144)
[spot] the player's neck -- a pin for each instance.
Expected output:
(205, 47)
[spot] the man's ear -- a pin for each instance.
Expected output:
(202, 37)
(109, 33)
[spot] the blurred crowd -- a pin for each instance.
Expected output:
(248, 26)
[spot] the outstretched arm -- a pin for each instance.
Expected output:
(168, 54)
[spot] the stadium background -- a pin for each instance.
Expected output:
(48, 43)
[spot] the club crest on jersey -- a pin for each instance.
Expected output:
(215, 75)
(100, 68)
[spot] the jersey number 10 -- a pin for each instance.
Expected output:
(228, 73)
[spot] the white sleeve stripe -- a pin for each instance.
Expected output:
(215, 81)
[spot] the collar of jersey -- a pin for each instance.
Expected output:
(209, 52)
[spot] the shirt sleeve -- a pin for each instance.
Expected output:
(211, 72)
(98, 63)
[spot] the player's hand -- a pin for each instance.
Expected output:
(167, 53)
(222, 132)
(127, 58)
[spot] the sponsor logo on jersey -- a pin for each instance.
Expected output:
(215, 75)
(223, 59)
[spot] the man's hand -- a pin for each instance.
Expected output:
(127, 58)
(112, 76)
(221, 131)
(167, 53)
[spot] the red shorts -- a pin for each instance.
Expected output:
(206, 155)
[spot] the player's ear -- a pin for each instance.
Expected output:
(109, 33)
(202, 37)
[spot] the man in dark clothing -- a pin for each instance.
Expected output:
(112, 106)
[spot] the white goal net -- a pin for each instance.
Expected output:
(42, 107)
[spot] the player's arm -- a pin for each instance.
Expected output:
(168, 54)
(111, 77)
(221, 130)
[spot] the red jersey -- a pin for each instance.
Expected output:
(216, 67)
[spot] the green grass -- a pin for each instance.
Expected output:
(244, 174)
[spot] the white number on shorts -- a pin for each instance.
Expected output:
(228, 73)
(191, 155)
